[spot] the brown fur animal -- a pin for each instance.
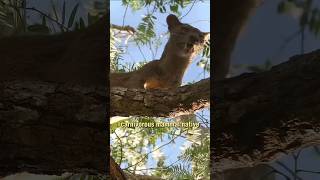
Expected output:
(184, 43)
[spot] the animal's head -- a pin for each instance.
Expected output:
(187, 39)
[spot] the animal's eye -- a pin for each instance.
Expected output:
(193, 39)
(185, 28)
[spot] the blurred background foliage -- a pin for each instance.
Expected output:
(15, 17)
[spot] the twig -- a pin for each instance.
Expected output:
(189, 9)
(307, 171)
(286, 42)
(141, 52)
(38, 11)
(159, 168)
(124, 15)
(121, 152)
(289, 170)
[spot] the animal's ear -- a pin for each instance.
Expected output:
(172, 21)
(206, 36)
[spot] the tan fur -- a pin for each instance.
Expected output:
(184, 43)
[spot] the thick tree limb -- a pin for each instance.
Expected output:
(57, 127)
(258, 117)
(157, 103)
(47, 128)
(51, 128)
(127, 28)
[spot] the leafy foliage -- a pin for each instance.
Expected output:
(129, 144)
(305, 10)
(13, 18)
(115, 52)
(146, 29)
(260, 68)
(133, 147)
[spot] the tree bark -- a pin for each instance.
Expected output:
(56, 127)
(44, 126)
(259, 172)
(260, 116)
(49, 128)
(159, 103)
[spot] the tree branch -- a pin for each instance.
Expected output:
(259, 117)
(56, 127)
(157, 103)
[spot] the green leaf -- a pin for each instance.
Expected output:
(76, 26)
(142, 28)
(82, 24)
(162, 9)
(64, 12)
(181, 3)
(73, 15)
(124, 2)
(148, 2)
(174, 8)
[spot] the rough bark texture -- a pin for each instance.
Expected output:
(259, 172)
(157, 103)
(51, 128)
(258, 117)
(48, 128)
(56, 127)
(115, 171)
